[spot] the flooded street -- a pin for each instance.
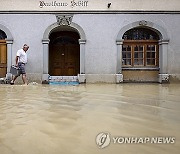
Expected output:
(52, 119)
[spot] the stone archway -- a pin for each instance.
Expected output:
(45, 42)
(9, 42)
(163, 48)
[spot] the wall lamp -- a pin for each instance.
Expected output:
(109, 4)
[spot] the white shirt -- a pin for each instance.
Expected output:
(22, 56)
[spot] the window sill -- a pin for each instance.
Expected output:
(140, 69)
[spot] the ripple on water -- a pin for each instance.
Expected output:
(66, 119)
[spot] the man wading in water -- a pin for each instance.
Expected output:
(21, 61)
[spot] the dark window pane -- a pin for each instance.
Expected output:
(126, 48)
(141, 48)
(138, 55)
(126, 61)
(123, 48)
(128, 55)
(129, 48)
(124, 55)
(150, 62)
(148, 54)
(136, 48)
(138, 61)
(150, 47)
(151, 55)
(135, 54)
(65, 40)
(2, 35)
(140, 34)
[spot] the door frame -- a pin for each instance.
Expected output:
(9, 42)
(61, 52)
(4, 65)
(45, 42)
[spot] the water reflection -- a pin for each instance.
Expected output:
(66, 119)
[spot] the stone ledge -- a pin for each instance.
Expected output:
(163, 78)
(119, 78)
(45, 78)
(82, 78)
(174, 78)
(100, 78)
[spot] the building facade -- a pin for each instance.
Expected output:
(110, 45)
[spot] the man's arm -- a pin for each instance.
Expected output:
(17, 60)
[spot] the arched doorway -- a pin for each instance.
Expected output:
(64, 52)
(73, 27)
(140, 55)
(3, 54)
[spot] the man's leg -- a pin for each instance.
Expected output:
(24, 79)
(13, 79)
(23, 72)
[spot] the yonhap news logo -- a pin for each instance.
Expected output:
(104, 139)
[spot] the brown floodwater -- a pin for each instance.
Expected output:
(53, 119)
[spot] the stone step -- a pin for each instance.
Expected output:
(63, 78)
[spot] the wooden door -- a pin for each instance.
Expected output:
(72, 60)
(3, 58)
(64, 60)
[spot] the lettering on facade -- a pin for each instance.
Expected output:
(73, 3)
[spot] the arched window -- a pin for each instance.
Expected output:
(140, 48)
(65, 40)
(2, 35)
